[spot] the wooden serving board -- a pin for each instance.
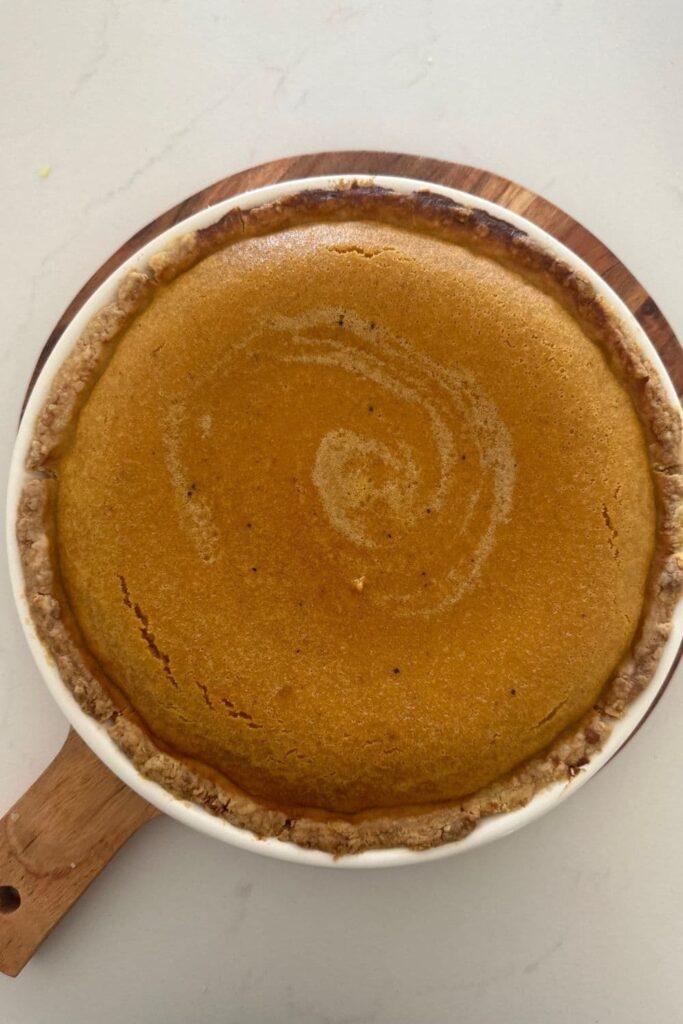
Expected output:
(65, 829)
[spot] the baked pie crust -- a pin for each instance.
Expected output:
(417, 825)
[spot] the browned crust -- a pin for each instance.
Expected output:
(340, 835)
(81, 368)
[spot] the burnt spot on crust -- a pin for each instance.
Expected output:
(486, 225)
(437, 201)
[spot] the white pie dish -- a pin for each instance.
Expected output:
(96, 735)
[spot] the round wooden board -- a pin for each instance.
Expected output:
(469, 179)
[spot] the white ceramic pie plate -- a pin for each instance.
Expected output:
(96, 736)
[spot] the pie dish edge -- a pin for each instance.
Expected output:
(338, 835)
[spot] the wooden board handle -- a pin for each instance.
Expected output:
(55, 841)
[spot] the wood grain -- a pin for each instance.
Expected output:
(55, 840)
(61, 834)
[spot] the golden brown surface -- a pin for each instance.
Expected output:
(325, 455)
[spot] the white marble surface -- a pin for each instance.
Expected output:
(134, 105)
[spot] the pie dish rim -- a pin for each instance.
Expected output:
(100, 738)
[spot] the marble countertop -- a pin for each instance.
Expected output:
(110, 112)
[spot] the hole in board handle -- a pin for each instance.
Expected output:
(10, 900)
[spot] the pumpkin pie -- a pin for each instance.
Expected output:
(355, 518)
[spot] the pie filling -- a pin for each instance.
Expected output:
(358, 518)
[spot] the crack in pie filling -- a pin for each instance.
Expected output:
(355, 518)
